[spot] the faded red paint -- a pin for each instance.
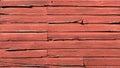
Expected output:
(60, 33)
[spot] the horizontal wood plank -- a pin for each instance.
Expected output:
(82, 11)
(103, 66)
(23, 36)
(113, 44)
(84, 53)
(60, 19)
(59, 28)
(82, 28)
(22, 54)
(85, 3)
(24, 3)
(66, 67)
(44, 61)
(102, 62)
(23, 27)
(24, 11)
(83, 36)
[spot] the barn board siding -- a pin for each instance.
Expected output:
(59, 34)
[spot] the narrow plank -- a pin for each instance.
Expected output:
(24, 67)
(60, 19)
(22, 19)
(101, 19)
(23, 27)
(45, 61)
(82, 11)
(23, 36)
(112, 44)
(2, 64)
(24, 11)
(22, 54)
(60, 3)
(58, 28)
(79, 28)
(83, 36)
(38, 19)
(102, 66)
(84, 53)
(24, 3)
(102, 62)
(66, 67)
(85, 3)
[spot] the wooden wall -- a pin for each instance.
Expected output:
(59, 34)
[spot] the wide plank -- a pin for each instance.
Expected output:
(23, 36)
(84, 53)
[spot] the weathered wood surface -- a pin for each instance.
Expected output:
(59, 34)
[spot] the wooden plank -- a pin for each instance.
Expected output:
(83, 36)
(22, 19)
(60, 10)
(79, 27)
(23, 36)
(84, 53)
(60, 3)
(22, 54)
(85, 3)
(24, 11)
(45, 61)
(82, 11)
(101, 19)
(23, 27)
(2, 64)
(58, 28)
(66, 67)
(24, 67)
(102, 62)
(112, 44)
(60, 19)
(103, 66)
(24, 3)
(37, 19)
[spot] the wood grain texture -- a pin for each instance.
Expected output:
(23, 27)
(83, 36)
(45, 61)
(20, 54)
(23, 36)
(22, 45)
(102, 66)
(24, 11)
(83, 28)
(86, 3)
(24, 3)
(84, 53)
(59, 34)
(82, 11)
(102, 62)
